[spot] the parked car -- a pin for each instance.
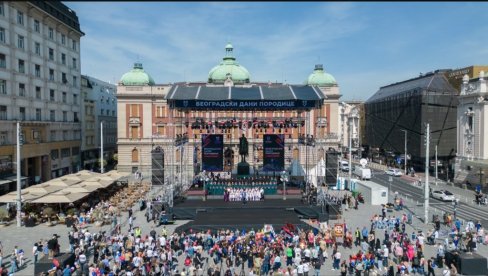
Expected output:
(344, 166)
(442, 195)
(394, 172)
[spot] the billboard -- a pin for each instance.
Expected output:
(274, 152)
(213, 152)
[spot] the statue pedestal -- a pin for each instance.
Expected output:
(243, 168)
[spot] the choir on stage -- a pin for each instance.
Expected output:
(244, 194)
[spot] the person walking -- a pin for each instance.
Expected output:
(337, 260)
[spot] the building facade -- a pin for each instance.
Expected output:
(99, 107)
(40, 88)
(472, 124)
(350, 118)
(151, 115)
(408, 106)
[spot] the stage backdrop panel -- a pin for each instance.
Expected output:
(274, 152)
(213, 152)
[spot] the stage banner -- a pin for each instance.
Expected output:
(274, 152)
(213, 152)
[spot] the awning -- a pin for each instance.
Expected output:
(14, 178)
(43, 189)
(61, 197)
(276, 97)
(80, 188)
(63, 182)
(3, 182)
(116, 175)
(26, 196)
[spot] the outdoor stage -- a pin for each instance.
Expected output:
(216, 214)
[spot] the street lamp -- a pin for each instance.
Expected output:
(284, 179)
(390, 179)
(405, 157)
(481, 173)
(204, 178)
(307, 141)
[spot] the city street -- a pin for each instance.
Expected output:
(464, 210)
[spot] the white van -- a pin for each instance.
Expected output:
(344, 166)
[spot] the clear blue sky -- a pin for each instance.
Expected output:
(363, 45)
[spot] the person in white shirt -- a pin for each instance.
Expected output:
(300, 269)
(306, 269)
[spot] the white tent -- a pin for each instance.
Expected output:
(296, 168)
(316, 172)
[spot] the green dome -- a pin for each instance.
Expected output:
(137, 77)
(229, 68)
(320, 78)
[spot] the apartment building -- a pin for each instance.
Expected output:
(99, 107)
(40, 88)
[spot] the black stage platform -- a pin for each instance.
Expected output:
(217, 214)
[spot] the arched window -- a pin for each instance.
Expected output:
(296, 154)
(135, 155)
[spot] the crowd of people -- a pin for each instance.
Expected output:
(383, 247)
(244, 194)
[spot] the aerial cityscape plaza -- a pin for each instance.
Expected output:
(243, 139)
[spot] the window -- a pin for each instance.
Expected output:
(51, 33)
(37, 70)
(37, 47)
(38, 114)
(54, 154)
(3, 61)
(65, 116)
(135, 155)
(75, 117)
(22, 89)
(160, 130)
(3, 138)
(51, 74)
(63, 78)
(101, 112)
(160, 111)
(113, 113)
(21, 66)
(2, 35)
(74, 63)
(22, 113)
(52, 97)
(52, 115)
(65, 152)
(134, 131)
(51, 54)
(3, 112)
(75, 150)
(20, 18)
(65, 135)
(37, 26)
(2, 9)
(74, 45)
(20, 42)
(3, 87)
(108, 112)
(75, 99)
(53, 135)
(38, 92)
(63, 39)
(75, 81)
(64, 97)
(63, 58)
(134, 110)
